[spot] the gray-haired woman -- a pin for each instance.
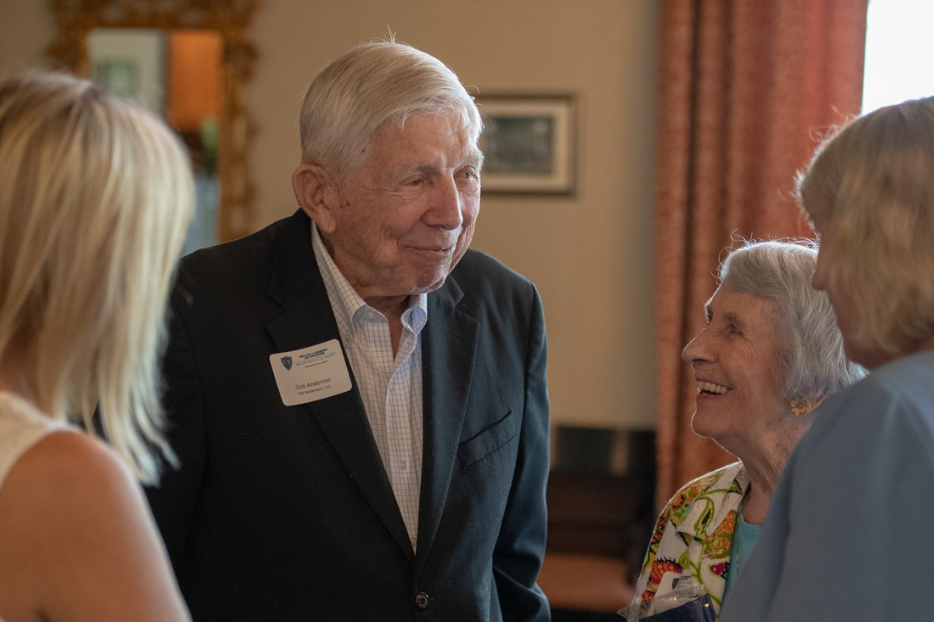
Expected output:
(769, 354)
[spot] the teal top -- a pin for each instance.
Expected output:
(745, 537)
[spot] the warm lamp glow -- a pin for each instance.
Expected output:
(194, 88)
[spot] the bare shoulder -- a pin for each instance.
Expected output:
(77, 540)
(66, 466)
(68, 487)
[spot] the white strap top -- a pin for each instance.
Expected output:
(21, 426)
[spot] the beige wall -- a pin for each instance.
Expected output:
(590, 255)
(27, 27)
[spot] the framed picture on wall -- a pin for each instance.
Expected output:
(130, 62)
(528, 144)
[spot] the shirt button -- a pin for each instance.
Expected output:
(414, 542)
(403, 465)
(421, 601)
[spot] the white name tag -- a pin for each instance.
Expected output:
(311, 373)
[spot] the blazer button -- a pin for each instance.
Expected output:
(421, 601)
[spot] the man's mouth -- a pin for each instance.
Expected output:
(434, 250)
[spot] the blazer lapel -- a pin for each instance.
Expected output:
(308, 320)
(449, 348)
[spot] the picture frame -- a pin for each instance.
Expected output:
(528, 144)
(130, 63)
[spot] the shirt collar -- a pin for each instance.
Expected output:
(717, 494)
(346, 303)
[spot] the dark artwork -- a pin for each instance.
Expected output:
(519, 145)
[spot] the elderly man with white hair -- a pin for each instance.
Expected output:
(358, 399)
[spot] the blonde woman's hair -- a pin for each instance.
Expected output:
(95, 199)
(376, 84)
(873, 182)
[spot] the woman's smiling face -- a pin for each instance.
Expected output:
(736, 367)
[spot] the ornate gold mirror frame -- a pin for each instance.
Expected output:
(230, 18)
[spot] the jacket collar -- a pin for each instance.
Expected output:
(449, 349)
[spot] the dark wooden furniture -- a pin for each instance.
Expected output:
(598, 528)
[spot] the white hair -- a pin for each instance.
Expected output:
(810, 347)
(376, 84)
(95, 198)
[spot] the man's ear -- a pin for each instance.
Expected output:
(316, 195)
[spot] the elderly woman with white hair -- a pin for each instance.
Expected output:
(849, 535)
(769, 354)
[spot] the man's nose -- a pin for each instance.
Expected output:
(447, 207)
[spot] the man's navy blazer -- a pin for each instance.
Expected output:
(287, 513)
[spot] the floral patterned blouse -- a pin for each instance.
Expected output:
(693, 536)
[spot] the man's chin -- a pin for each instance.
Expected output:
(431, 280)
(430, 287)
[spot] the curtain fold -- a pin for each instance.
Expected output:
(746, 90)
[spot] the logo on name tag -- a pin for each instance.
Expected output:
(310, 374)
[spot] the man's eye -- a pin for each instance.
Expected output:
(469, 179)
(732, 329)
(416, 182)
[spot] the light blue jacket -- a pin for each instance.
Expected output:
(850, 531)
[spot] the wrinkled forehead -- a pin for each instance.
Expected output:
(447, 127)
(463, 120)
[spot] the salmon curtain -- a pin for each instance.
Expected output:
(746, 88)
